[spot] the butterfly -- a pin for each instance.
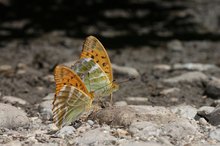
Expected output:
(71, 98)
(94, 68)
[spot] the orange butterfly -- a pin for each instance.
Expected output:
(71, 98)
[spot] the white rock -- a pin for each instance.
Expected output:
(12, 117)
(125, 70)
(5, 68)
(170, 91)
(137, 100)
(45, 109)
(13, 100)
(206, 109)
(120, 103)
(162, 67)
(195, 66)
(203, 121)
(215, 134)
(66, 130)
(185, 111)
(188, 77)
(98, 136)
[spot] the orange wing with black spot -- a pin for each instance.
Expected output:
(92, 48)
(65, 76)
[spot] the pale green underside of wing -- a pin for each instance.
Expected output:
(93, 77)
(69, 105)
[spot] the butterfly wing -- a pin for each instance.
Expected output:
(92, 48)
(69, 105)
(95, 79)
(65, 76)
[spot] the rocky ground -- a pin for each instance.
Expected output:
(174, 100)
(172, 48)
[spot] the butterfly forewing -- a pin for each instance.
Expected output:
(65, 76)
(92, 48)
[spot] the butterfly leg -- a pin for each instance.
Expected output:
(111, 99)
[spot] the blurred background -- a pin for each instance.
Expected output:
(149, 36)
(142, 22)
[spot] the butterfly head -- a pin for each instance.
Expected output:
(114, 87)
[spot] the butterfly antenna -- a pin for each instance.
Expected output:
(126, 80)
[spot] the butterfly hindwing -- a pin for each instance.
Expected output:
(69, 105)
(95, 79)
(92, 48)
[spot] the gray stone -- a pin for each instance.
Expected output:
(144, 130)
(195, 66)
(157, 114)
(45, 109)
(90, 122)
(66, 130)
(188, 77)
(213, 89)
(98, 136)
(141, 143)
(185, 111)
(125, 70)
(170, 91)
(175, 45)
(13, 100)
(12, 117)
(116, 116)
(180, 130)
(137, 100)
(213, 117)
(215, 134)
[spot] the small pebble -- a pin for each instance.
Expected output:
(90, 122)
(13, 100)
(169, 91)
(202, 121)
(164, 67)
